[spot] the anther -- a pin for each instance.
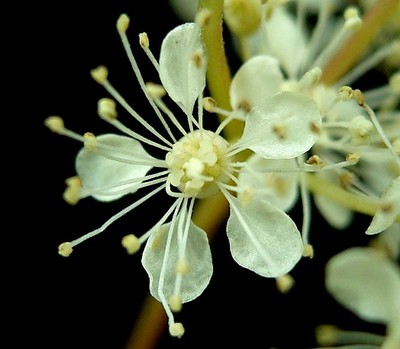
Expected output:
(123, 23)
(90, 142)
(156, 91)
(176, 329)
(352, 18)
(106, 108)
(345, 93)
(353, 158)
(394, 82)
(65, 249)
(144, 40)
(315, 161)
(99, 74)
(71, 193)
(359, 97)
(131, 243)
(209, 104)
(284, 283)
(242, 17)
(308, 251)
(55, 124)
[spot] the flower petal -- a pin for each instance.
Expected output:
(280, 188)
(365, 282)
(389, 209)
(283, 127)
(100, 173)
(335, 214)
(181, 75)
(257, 79)
(286, 41)
(263, 238)
(197, 253)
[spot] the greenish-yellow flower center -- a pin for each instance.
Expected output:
(198, 162)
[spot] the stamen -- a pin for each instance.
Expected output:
(176, 329)
(139, 77)
(106, 108)
(131, 243)
(352, 23)
(55, 124)
(72, 193)
(145, 44)
(284, 283)
(115, 217)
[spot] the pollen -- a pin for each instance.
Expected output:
(198, 162)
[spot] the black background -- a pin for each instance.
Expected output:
(91, 299)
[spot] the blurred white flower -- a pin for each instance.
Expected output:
(367, 283)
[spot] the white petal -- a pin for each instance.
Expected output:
(365, 282)
(282, 127)
(280, 188)
(180, 76)
(263, 238)
(335, 214)
(389, 209)
(97, 171)
(257, 79)
(198, 255)
(286, 42)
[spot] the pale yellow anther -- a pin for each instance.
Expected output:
(308, 251)
(175, 303)
(284, 283)
(359, 97)
(315, 161)
(156, 91)
(353, 158)
(209, 104)
(394, 82)
(65, 249)
(242, 17)
(346, 179)
(396, 145)
(203, 17)
(107, 108)
(99, 74)
(182, 266)
(345, 93)
(327, 335)
(176, 329)
(131, 243)
(90, 142)
(312, 77)
(123, 23)
(72, 193)
(54, 123)
(352, 18)
(144, 40)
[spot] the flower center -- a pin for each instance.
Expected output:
(198, 162)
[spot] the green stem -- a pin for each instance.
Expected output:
(354, 202)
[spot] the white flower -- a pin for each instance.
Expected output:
(176, 256)
(349, 125)
(367, 283)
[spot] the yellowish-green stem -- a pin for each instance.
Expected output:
(218, 71)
